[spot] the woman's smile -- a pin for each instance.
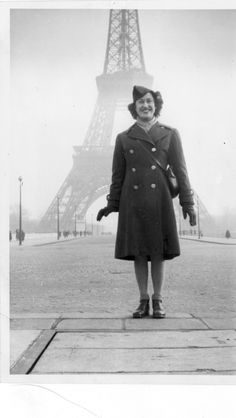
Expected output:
(146, 110)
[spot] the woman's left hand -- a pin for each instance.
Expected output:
(189, 210)
(103, 212)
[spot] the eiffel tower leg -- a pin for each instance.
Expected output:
(88, 180)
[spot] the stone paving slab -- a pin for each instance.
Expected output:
(96, 324)
(20, 341)
(112, 324)
(32, 323)
(146, 339)
(131, 324)
(164, 324)
(32, 353)
(220, 323)
(153, 361)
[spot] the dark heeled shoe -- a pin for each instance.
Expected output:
(142, 310)
(158, 310)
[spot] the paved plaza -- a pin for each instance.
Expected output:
(72, 303)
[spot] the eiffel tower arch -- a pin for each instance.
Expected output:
(90, 175)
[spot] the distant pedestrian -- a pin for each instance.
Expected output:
(139, 192)
(18, 235)
(10, 236)
(227, 234)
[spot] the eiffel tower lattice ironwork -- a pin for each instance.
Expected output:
(90, 175)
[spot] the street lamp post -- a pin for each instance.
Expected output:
(58, 219)
(20, 213)
(85, 226)
(75, 220)
(198, 219)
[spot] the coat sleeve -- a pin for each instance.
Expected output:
(118, 174)
(177, 162)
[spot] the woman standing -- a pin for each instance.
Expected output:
(139, 192)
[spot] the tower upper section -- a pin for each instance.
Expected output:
(124, 49)
(124, 63)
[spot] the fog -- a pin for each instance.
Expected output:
(55, 57)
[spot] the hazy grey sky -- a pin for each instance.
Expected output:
(55, 57)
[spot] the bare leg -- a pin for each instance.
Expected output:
(157, 271)
(141, 273)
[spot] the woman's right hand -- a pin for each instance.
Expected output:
(103, 212)
(189, 210)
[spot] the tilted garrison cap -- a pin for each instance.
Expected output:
(140, 91)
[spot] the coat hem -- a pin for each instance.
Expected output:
(131, 257)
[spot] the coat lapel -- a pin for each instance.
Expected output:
(136, 132)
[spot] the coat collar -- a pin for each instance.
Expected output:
(136, 132)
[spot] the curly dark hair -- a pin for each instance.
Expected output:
(157, 101)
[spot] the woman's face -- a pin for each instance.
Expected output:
(145, 107)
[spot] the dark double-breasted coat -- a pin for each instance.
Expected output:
(140, 193)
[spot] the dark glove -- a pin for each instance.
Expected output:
(103, 212)
(189, 210)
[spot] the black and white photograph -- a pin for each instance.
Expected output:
(122, 204)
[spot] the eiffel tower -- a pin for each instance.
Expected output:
(90, 175)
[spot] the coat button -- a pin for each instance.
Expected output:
(153, 185)
(135, 187)
(131, 151)
(154, 149)
(133, 169)
(153, 167)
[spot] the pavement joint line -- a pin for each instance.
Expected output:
(148, 331)
(53, 242)
(208, 242)
(56, 322)
(105, 330)
(33, 352)
(144, 373)
(93, 330)
(204, 323)
(200, 319)
(150, 317)
(149, 348)
(41, 353)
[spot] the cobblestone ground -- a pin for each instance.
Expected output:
(82, 275)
